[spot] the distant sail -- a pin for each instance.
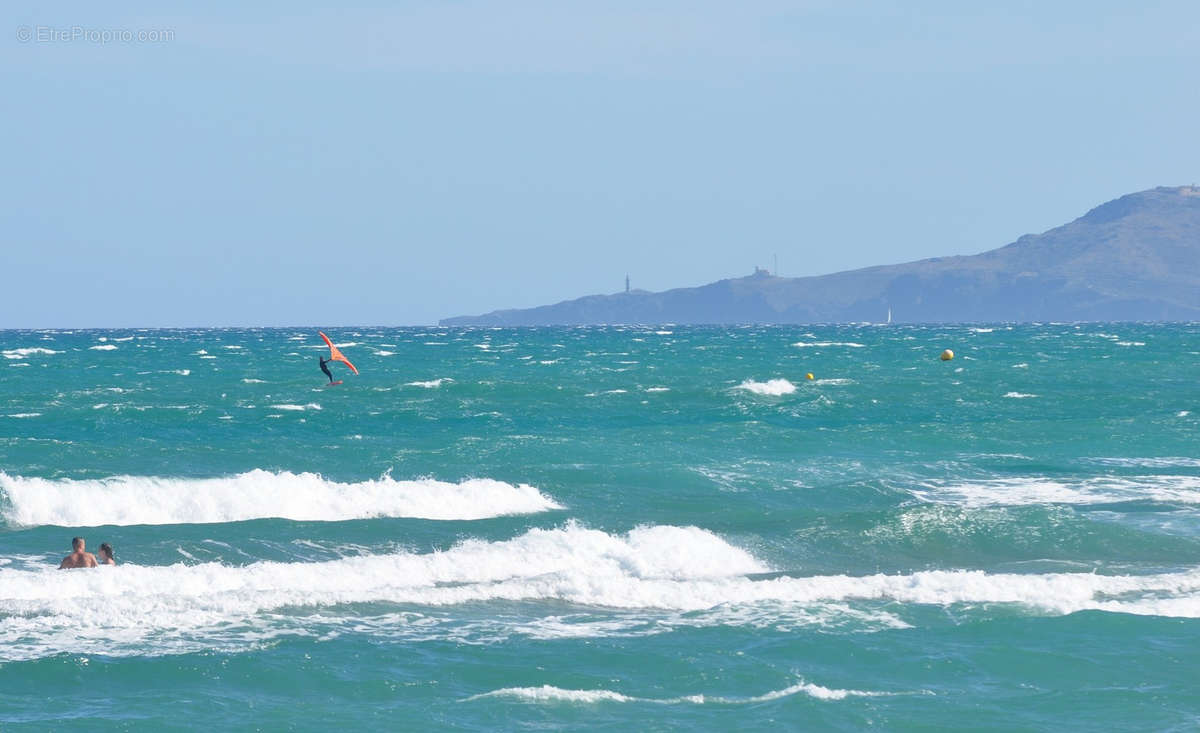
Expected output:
(336, 355)
(889, 315)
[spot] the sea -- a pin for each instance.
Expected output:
(606, 528)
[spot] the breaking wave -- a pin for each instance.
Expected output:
(771, 387)
(551, 694)
(258, 494)
(24, 352)
(1037, 490)
(431, 384)
(652, 578)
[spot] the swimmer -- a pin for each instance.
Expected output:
(106, 554)
(78, 558)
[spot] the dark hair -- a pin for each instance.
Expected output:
(106, 548)
(76, 541)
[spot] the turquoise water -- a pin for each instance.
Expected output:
(636, 528)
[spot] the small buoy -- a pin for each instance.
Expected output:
(947, 355)
(808, 376)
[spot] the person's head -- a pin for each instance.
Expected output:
(77, 543)
(106, 550)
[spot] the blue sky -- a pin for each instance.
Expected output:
(396, 163)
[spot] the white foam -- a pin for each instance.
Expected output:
(27, 351)
(820, 692)
(25, 414)
(103, 347)
(771, 387)
(297, 408)
(1019, 395)
(644, 576)
(548, 693)
(1149, 462)
(551, 694)
(124, 500)
(207, 605)
(251, 380)
(385, 353)
(431, 384)
(658, 389)
(826, 344)
(1038, 490)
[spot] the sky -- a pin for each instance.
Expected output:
(393, 163)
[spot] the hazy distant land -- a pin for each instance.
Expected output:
(1136, 258)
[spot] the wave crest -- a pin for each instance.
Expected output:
(257, 494)
(26, 351)
(771, 387)
(551, 694)
(1035, 490)
(654, 578)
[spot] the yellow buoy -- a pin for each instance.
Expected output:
(808, 376)
(947, 355)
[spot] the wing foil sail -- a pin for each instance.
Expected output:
(335, 354)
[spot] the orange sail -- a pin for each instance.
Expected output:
(336, 355)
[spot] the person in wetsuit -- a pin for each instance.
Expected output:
(325, 369)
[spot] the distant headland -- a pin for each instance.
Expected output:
(1136, 258)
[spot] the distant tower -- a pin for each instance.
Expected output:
(627, 283)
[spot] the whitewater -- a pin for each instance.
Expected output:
(630, 526)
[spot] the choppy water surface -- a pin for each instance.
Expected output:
(659, 527)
